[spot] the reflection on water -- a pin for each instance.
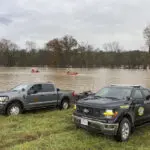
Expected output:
(88, 79)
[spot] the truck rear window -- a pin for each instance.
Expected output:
(48, 88)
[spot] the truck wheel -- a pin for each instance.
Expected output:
(65, 104)
(14, 109)
(124, 130)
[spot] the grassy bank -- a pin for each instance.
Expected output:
(54, 130)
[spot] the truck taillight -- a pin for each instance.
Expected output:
(73, 93)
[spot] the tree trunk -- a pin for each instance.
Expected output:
(149, 48)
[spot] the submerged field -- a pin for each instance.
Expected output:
(54, 130)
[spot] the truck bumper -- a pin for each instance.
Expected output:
(105, 128)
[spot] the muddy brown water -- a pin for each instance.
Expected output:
(87, 79)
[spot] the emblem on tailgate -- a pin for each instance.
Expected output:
(85, 110)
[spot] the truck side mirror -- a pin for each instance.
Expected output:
(31, 92)
(58, 89)
(128, 98)
(148, 97)
(23, 89)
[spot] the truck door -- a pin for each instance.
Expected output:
(138, 106)
(146, 92)
(49, 95)
(35, 97)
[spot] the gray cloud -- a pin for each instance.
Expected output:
(5, 21)
(92, 21)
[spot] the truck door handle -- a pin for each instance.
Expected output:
(42, 95)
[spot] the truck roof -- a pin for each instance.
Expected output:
(32, 83)
(42, 83)
(127, 85)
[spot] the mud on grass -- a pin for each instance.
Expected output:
(54, 130)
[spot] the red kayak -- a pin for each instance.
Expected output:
(34, 70)
(72, 73)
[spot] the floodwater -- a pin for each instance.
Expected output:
(87, 79)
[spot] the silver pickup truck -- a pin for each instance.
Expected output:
(31, 96)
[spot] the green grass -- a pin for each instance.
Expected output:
(54, 130)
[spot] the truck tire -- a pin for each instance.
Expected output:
(124, 130)
(14, 109)
(64, 104)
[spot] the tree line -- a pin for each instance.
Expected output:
(66, 51)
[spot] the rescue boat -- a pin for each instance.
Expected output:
(33, 70)
(72, 73)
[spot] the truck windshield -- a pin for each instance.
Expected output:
(114, 93)
(19, 87)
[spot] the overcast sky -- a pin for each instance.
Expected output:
(92, 21)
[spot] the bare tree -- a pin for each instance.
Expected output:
(55, 47)
(30, 45)
(83, 47)
(69, 43)
(6, 45)
(147, 36)
(112, 46)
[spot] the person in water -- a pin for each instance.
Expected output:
(68, 70)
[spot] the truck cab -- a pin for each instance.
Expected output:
(40, 95)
